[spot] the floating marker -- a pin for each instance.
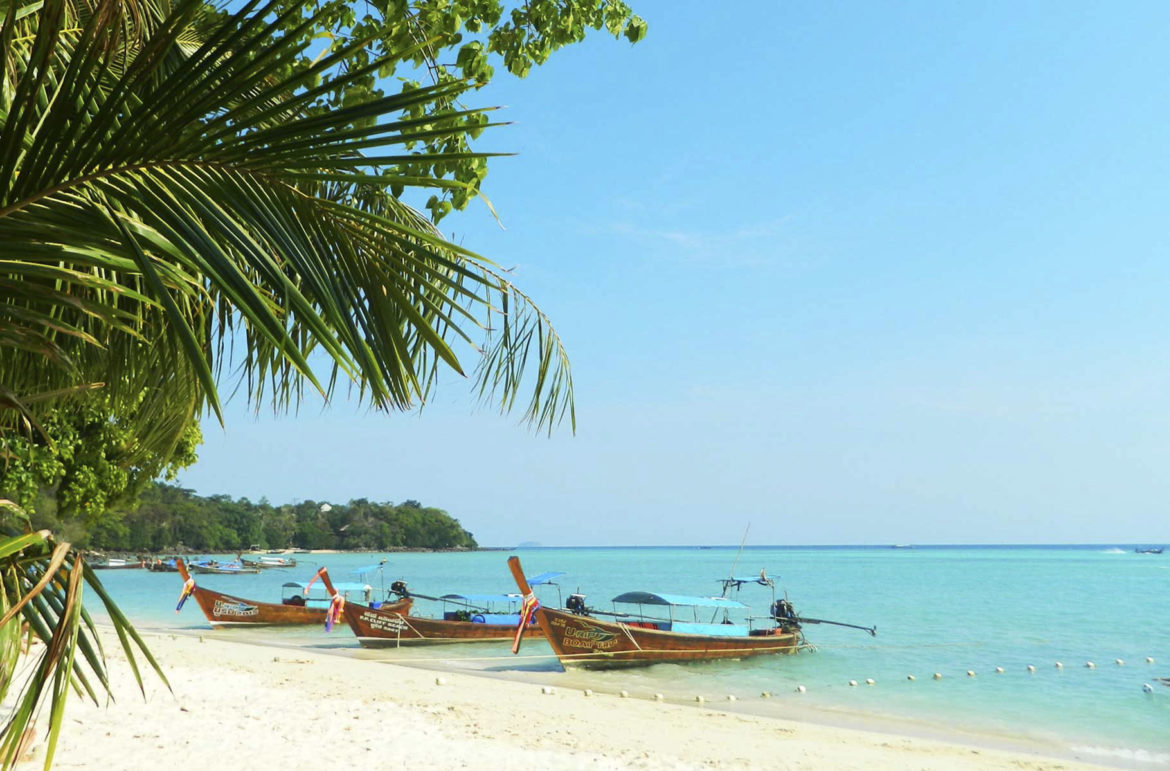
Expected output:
(731, 697)
(1149, 659)
(700, 699)
(1090, 665)
(548, 690)
(1059, 665)
(852, 682)
(1148, 688)
(1031, 668)
(869, 681)
(587, 692)
(937, 676)
(624, 694)
(1121, 662)
(658, 697)
(910, 677)
(768, 694)
(970, 673)
(440, 681)
(999, 670)
(800, 689)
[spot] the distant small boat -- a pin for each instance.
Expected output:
(114, 563)
(220, 568)
(1148, 550)
(269, 562)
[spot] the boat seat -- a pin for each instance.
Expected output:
(510, 619)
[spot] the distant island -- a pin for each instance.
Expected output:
(169, 518)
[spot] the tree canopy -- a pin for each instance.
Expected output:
(171, 518)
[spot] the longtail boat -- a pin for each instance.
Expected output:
(297, 607)
(115, 563)
(580, 639)
(214, 567)
(267, 561)
(474, 621)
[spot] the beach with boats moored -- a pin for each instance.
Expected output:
(979, 651)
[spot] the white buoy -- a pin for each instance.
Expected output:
(548, 690)
(910, 678)
(970, 673)
(768, 694)
(869, 681)
(999, 670)
(800, 689)
(624, 694)
(1149, 659)
(700, 699)
(938, 676)
(1031, 668)
(440, 681)
(1148, 688)
(587, 692)
(1090, 665)
(658, 697)
(852, 682)
(1120, 662)
(1059, 665)
(731, 697)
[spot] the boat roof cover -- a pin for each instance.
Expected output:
(366, 569)
(543, 578)
(746, 579)
(657, 598)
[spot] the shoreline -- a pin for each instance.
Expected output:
(314, 708)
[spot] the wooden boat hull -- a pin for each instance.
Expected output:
(388, 627)
(228, 610)
(584, 641)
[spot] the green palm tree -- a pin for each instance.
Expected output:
(173, 191)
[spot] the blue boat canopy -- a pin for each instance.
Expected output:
(367, 569)
(543, 578)
(657, 598)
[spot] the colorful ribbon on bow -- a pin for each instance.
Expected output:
(188, 590)
(336, 606)
(528, 609)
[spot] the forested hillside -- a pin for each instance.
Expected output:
(169, 517)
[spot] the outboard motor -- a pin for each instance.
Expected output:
(399, 588)
(576, 604)
(783, 612)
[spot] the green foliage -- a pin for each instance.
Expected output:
(169, 517)
(86, 458)
(464, 42)
(41, 583)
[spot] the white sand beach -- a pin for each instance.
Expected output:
(262, 707)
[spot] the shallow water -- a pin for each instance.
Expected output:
(937, 609)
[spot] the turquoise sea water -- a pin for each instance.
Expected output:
(937, 609)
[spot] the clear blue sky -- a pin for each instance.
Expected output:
(850, 272)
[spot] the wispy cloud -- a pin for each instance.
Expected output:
(763, 243)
